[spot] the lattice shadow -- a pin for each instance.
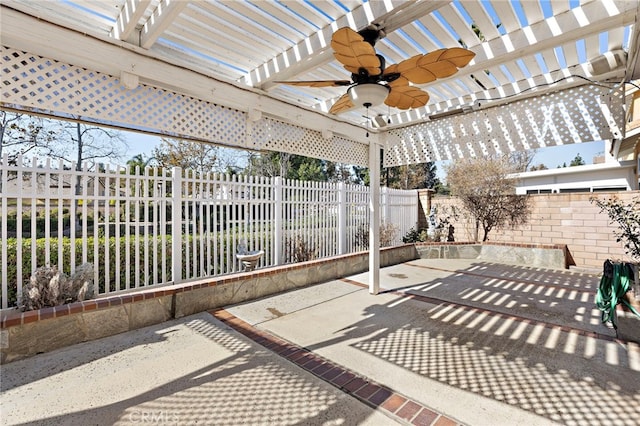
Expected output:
(242, 385)
(563, 376)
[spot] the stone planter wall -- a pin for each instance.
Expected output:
(24, 334)
(536, 255)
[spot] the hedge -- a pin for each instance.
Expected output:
(116, 245)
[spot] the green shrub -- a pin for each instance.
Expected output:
(148, 270)
(627, 217)
(413, 236)
(40, 220)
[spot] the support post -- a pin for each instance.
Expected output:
(374, 217)
(278, 220)
(176, 225)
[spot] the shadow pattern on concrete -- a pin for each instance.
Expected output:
(479, 333)
(228, 381)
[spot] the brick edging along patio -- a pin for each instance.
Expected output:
(375, 395)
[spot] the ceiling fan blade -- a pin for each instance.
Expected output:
(343, 104)
(400, 81)
(391, 69)
(352, 51)
(393, 77)
(317, 83)
(421, 69)
(405, 97)
(458, 56)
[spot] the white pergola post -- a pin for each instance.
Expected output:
(277, 249)
(176, 225)
(374, 215)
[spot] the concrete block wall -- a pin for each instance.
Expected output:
(424, 207)
(560, 219)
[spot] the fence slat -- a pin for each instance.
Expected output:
(5, 213)
(151, 226)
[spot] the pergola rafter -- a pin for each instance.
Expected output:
(127, 21)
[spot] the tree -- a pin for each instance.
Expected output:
(292, 166)
(197, 156)
(538, 167)
(361, 175)
(442, 188)
(270, 164)
(577, 161)
(306, 168)
(414, 176)
(139, 162)
(90, 144)
(68, 141)
(18, 136)
(22, 133)
(521, 160)
(488, 193)
(338, 172)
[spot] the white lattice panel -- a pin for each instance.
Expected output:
(273, 135)
(34, 83)
(581, 114)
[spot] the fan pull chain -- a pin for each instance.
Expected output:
(367, 105)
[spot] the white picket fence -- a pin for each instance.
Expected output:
(157, 226)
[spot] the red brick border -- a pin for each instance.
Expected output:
(15, 317)
(375, 395)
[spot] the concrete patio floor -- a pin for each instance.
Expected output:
(447, 342)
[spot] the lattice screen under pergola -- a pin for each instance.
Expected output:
(580, 114)
(585, 113)
(36, 84)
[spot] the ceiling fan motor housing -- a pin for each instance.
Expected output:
(370, 35)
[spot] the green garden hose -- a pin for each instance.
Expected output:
(615, 282)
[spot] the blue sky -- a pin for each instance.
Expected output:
(557, 155)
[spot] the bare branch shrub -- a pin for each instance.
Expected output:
(487, 192)
(49, 287)
(627, 217)
(388, 233)
(300, 250)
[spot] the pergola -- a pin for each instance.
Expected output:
(545, 73)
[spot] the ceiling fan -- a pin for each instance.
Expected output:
(372, 83)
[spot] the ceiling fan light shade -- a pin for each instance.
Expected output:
(368, 95)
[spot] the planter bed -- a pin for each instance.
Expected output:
(23, 334)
